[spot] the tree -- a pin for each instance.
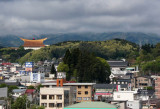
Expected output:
(3, 85)
(62, 67)
(21, 102)
(10, 88)
(39, 86)
(86, 67)
(53, 70)
(37, 107)
(30, 87)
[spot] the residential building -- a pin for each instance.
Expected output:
(157, 86)
(57, 97)
(118, 66)
(18, 92)
(104, 92)
(31, 95)
(83, 92)
(129, 96)
(142, 82)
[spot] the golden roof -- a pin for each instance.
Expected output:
(33, 43)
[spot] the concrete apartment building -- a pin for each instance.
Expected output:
(141, 82)
(56, 97)
(83, 90)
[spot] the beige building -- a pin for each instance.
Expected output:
(84, 93)
(83, 90)
(57, 97)
(141, 82)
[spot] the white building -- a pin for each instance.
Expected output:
(18, 92)
(130, 97)
(37, 77)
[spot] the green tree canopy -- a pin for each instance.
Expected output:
(86, 67)
(30, 87)
(62, 67)
(21, 102)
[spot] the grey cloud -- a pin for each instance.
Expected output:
(27, 17)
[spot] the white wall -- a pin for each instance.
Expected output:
(123, 95)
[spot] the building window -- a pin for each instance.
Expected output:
(79, 98)
(51, 97)
(86, 92)
(79, 87)
(44, 96)
(86, 98)
(86, 87)
(79, 92)
(51, 104)
(59, 104)
(59, 97)
(44, 104)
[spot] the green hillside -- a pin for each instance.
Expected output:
(110, 49)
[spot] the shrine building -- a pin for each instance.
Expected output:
(33, 44)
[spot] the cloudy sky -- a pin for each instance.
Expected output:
(29, 17)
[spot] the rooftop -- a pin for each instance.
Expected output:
(92, 105)
(117, 63)
(30, 91)
(18, 90)
(68, 84)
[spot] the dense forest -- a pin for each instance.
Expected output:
(83, 66)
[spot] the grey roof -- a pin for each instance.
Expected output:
(10, 83)
(117, 63)
(108, 86)
(3, 92)
(18, 90)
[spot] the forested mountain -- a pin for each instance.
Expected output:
(110, 49)
(15, 41)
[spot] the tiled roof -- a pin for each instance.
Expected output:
(33, 43)
(30, 90)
